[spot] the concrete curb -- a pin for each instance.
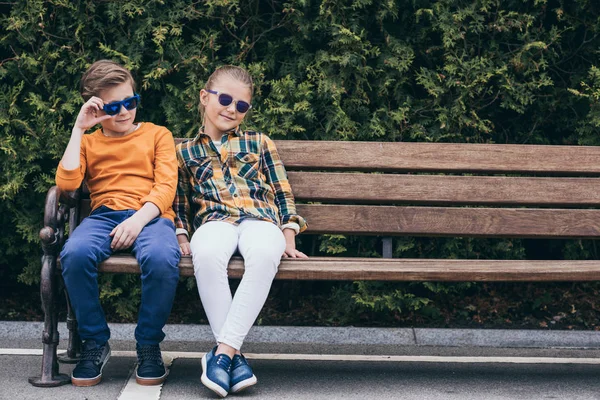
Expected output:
(505, 338)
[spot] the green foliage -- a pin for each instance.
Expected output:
(485, 71)
(590, 92)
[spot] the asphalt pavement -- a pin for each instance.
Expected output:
(336, 363)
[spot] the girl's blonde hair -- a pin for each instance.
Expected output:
(231, 71)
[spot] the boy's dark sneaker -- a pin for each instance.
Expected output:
(88, 371)
(242, 376)
(215, 372)
(151, 370)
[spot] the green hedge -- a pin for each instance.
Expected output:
(485, 71)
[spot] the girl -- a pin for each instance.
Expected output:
(237, 186)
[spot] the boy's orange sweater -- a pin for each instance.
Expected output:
(123, 173)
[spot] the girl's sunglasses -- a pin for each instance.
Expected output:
(226, 99)
(115, 107)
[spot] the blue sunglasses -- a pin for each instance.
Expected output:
(115, 107)
(226, 99)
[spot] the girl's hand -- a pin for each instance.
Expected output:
(87, 115)
(184, 245)
(290, 245)
(291, 252)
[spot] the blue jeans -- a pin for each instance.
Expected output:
(157, 252)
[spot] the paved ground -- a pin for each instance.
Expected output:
(330, 364)
(330, 380)
(196, 337)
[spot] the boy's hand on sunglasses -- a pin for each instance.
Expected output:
(125, 233)
(87, 115)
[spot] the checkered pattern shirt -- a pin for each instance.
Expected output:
(245, 178)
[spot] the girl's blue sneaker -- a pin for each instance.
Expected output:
(215, 372)
(242, 376)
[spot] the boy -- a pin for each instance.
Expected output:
(131, 172)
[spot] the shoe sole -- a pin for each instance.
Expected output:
(246, 383)
(210, 384)
(84, 382)
(150, 381)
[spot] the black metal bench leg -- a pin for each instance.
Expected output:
(74, 347)
(50, 374)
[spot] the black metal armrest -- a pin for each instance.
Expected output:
(56, 210)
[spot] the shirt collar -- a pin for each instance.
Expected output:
(237, 131)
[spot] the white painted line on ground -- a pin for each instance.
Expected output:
(172, 354)
(428, 359)
(25, 352)
(133, 391)
(350, 357)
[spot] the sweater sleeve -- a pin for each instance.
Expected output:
(70, 179)
(165, 172)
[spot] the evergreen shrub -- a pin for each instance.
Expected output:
(478, 71)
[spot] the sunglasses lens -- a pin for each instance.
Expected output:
(130, 103)
(242, 106)
(112, 108)
(225, 99)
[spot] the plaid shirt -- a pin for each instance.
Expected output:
(245, 179)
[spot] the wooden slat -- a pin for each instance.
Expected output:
(439, 157)
(441, 190)
(357, 269)
(445, 221)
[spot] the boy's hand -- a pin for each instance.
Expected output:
(125, 233)
(290, 245)
(184, 244)
(87, 115)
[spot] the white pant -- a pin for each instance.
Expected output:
(262, 244)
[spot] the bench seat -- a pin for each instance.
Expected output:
(399, 269)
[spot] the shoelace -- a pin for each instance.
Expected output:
(92, 355)
(238, 360)
(149, 353)
(223, 362)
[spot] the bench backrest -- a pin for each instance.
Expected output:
(429, 189)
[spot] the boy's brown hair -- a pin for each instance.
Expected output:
(102, 75)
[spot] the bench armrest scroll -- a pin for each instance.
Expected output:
(56, 210)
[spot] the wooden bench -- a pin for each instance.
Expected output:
(388, 189)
